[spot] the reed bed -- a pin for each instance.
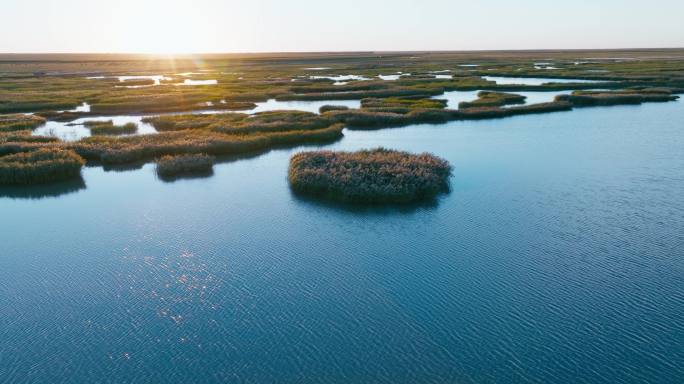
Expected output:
(583, 99)
(184, 165)
(52, 88)
(192, 121)
(19, 122)
(138, 82)
(95, 123)
(493, 99)
(164, 101)
(329, 108)
(372, 119)
(275, 121)
(128, 149)
(40, 166)
(35, 106)
(371, 176)
(406, 103)
(25, 136)
(365, 86)
(354, 95)
(108, 128)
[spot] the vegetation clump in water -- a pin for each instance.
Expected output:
(138, 82)
(369, 176)
(39, 166)
(328, 108)
(276, 121)
(166, 123)
(184, 165)
(493, 99)
(391, 104)
(602, 98)
(108, 128)
(95, 123)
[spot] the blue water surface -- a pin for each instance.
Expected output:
(558, 257)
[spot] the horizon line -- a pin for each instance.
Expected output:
(350, 51)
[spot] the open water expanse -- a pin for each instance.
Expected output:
(557, 257)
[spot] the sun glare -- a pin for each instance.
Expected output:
(168, 31)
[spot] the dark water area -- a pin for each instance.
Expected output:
(557, 257)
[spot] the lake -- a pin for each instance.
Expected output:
(556, 258)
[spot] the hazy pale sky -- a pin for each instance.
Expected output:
(164, 26)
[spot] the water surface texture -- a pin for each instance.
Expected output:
(556, 258)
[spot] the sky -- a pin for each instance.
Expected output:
(200, 26)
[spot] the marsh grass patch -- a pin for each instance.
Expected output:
(369, 176)
(39, 166)
(198, 164)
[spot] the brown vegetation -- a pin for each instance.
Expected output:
(39, 166)
(179, 165)
(374, 176)
(18, 122)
